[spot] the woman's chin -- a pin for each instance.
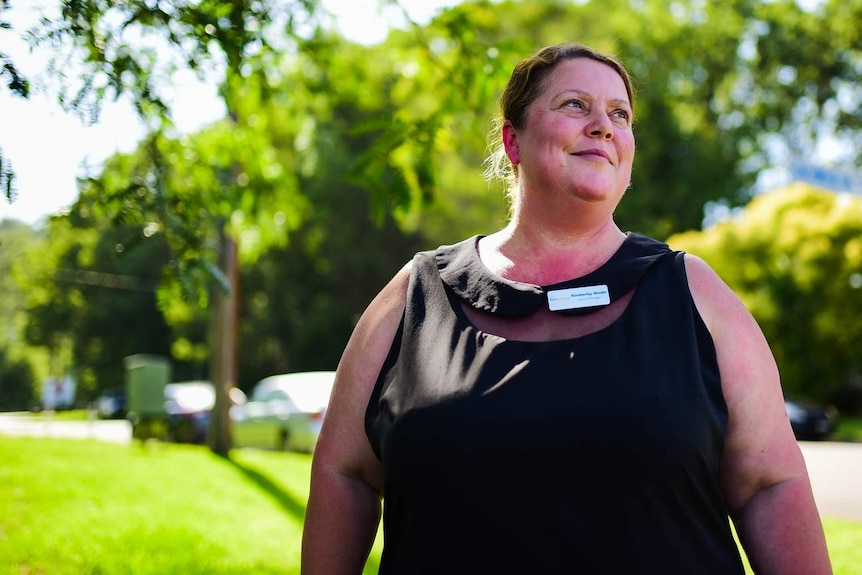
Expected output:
(597, 194)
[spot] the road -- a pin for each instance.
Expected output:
(835, 468)
(836, 477)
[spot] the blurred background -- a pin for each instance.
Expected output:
(228, 183)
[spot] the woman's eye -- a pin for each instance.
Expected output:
(621, 114)
(575, 104)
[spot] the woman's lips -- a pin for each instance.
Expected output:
(596, 153)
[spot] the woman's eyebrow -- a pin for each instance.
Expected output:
(584, 94)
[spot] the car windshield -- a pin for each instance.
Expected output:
(309, 392)
(189, 397)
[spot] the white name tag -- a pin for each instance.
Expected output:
(575, 298)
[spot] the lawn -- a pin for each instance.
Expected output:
(849, 429)
(75, 507)
(86, 508)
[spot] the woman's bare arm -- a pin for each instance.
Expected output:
(346, 477)
(763, 474)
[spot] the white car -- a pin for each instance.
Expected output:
(284, 412)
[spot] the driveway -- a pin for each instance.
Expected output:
(836, 477)
(45, 425)
(835, 468)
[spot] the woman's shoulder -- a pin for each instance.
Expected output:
(705, 284)
(731, 324)
(712, 296)
(393, 296)
(390, 300)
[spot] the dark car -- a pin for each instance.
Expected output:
(111, 404)
(810, 422)
(188, 405)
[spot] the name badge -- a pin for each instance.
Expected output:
(575, 298)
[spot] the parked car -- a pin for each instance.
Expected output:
(188, 405)
(111, 404)
(810, 422)
(284, 412)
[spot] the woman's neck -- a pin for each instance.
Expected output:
(545, 255)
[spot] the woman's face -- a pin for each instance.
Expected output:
(578, 136)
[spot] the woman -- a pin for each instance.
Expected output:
(559, 396)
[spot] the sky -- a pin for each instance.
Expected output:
(49, 148)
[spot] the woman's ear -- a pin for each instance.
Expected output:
(510, 143)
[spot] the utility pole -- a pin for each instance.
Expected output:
(224, 360)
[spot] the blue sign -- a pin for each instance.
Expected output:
(829, 178)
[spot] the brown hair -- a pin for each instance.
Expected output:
(526, 83)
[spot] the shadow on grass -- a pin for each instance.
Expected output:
(284, 499)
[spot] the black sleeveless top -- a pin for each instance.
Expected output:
(598, 454)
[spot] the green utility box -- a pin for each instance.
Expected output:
(146, 377)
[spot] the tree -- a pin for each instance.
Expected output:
(132, 48)
(698, 129)
(719, 81)
(235, 187)
(794, 256)
(91, 298)
(19, 85)
(801, 90)
(300, 301)
(50, 312)
(17, 375)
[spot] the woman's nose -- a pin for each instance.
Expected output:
(601, 126)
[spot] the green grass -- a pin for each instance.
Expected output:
(90, 508)
(844, 539)
(74, 507)
(849, 429)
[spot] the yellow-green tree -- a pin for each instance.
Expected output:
(794, 256)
